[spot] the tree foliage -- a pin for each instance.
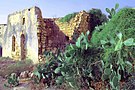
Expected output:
(96, 18)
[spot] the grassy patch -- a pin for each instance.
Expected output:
(9, 66)
(68, 17)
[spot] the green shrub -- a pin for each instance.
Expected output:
(97, 16)
(123, 21)
(45, 72)
(68, 17)
(76, 67)
(12, 81)
(80, 65)
(117, 62)
(118, 47)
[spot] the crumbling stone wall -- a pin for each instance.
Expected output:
(80, 24)
(41, 33)
(50, 38)
(55, 38)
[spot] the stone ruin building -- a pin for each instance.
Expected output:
(27, 34)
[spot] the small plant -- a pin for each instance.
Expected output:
(112, 12)
(12, 81)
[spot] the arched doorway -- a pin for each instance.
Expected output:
(23, 53)
(0, 51)
(13, 43)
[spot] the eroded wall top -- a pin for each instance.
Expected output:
(79, 23)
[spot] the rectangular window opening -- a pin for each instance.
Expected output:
(23, 21)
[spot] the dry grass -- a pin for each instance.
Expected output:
(8, 66)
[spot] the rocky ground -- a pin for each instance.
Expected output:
(22, 86)
(8, 66)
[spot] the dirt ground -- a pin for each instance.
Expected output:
(5, 69)
(22, 86)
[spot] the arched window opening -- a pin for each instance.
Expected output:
(13, 43)
(23, 47)
(23, 21)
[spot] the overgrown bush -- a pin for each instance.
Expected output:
(117, 39)
(45, 72)
(81, 64)
(117, 60)
(76, 67)
(122, 22)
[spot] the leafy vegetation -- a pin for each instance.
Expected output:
(46, 72)
(84, 63)
(68, 17)
(80, 60)
(122, 22)
(112, 12)
(12, 81)
(96, 18)
(116, 62)
(75, 66)
(117, 39)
